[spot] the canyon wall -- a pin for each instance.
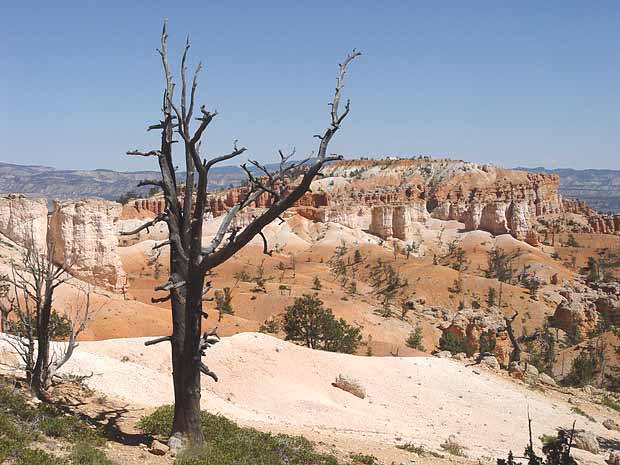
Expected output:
(220, 202)
(490, 199)
(604, 224)
(597, 223)
(386, 197)
(83, 234)
(24, 220)
(508, 203)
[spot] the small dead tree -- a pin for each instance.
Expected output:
(184, 214)
(78, 318)
(515, 355)
(36, 324)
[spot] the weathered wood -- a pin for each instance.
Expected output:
(190, 261)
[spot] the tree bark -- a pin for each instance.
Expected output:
(186, 315)
(4, 318)
(515, 355)
(39, 381)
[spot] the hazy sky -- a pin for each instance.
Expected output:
(515, 83)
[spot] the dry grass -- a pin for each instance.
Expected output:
(452, 446)
(350, 385)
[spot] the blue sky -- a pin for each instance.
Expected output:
(513, 83)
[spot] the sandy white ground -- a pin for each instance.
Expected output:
(277, 385)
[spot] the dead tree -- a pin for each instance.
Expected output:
(36, 324)
(77, 320)
(515, 355)
(184, 215)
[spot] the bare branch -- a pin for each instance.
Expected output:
(193, 92)
(205, 119)
(205, 369)
(159, 300)
(257, 183)
(146, 226)
(336, 119)
(161, 244)
(158, 340)
(214, 161)
(184, 123)
(160, 125)
(137, 153)
(208, 339)
(150, 182)
(168, 285)
(213, 258)
(266, 250)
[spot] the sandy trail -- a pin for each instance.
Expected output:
(276, 385)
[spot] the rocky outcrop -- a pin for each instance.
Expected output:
(532, 238)
(351, 216)
(83, 235)
(509, 204)
(397, 220)
(587, 441)
(494, 218)
(605, 224)
(220, 202)
(507, 208)
(596, 223)
(381, 222)
(576, 314)
(582, 306)
(24, 220)
(481, 330)
(404, 216)
(578, 207)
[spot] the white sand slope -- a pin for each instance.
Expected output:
(276, 385)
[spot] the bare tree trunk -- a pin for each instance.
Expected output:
(186, 334)
(40, 372)
(4, 319)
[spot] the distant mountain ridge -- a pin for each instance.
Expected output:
(102, 183)
(600, 188)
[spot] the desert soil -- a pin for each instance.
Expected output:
(277, 386)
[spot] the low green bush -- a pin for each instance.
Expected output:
(85, 454)
(226, 443)
(70, 428)
(363, 459)
(418, 450)
(415, 339)
(37, 457)
(23, 423)
(453, 344)
(610, 402)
